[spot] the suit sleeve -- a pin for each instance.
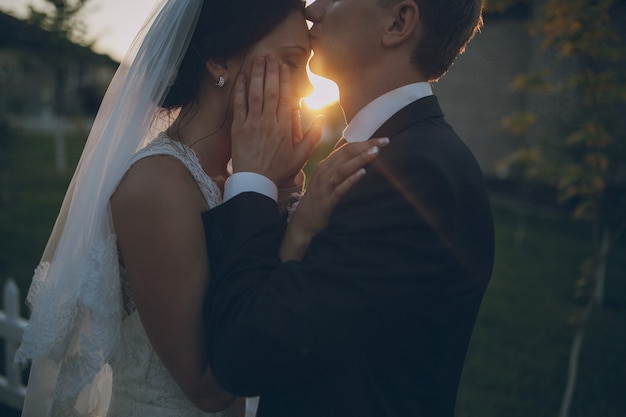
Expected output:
(271, 323)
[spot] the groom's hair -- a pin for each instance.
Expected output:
(448, 26)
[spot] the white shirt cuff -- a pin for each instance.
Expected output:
(241, 182)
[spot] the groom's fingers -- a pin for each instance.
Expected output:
(255, 92)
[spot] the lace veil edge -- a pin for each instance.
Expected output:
(75, 296)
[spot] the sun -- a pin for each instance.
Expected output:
(325, 92)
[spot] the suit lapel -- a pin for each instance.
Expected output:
(419, 110)
(422, 109)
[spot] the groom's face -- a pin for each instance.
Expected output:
(345, 35)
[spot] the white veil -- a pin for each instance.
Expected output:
(75, 295)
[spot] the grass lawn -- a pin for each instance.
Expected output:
(30, 198)
(518, 357)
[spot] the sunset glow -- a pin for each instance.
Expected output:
(325, 92)
(113, 32)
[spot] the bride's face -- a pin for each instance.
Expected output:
(289, 43)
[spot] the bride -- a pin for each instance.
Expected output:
(116, 325)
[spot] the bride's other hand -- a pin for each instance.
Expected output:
(332, 178)
(263, 140)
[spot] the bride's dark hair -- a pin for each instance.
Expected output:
(225, 28)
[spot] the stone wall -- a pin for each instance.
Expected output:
(476, 94)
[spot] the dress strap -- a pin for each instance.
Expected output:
(164, 145)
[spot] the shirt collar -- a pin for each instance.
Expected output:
(377, 112)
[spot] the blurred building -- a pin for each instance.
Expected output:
(44, 75)
(477, 94)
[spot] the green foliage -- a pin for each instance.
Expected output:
(589, 154)
(535, 83)
(580, 28)
(62, 17)
(594, 145)
(502, 5)
(519, 123)
(580, 149)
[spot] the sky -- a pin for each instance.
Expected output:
(113, 24)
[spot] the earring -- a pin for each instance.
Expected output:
(221, 81)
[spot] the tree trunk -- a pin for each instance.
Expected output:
(574, 358)
(597, 298)
(600, 273)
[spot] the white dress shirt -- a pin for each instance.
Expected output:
(360, 128)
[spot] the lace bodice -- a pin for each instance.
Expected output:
(163, 145)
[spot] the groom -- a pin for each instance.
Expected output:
(376, 319)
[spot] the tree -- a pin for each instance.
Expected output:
(64, 20)
(582, 155)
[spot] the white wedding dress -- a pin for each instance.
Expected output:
(134, 377)
(142, 386)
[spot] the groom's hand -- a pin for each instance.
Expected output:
(263, 138)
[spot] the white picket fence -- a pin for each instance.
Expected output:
(12, 326)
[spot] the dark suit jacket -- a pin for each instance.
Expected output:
(376, 319)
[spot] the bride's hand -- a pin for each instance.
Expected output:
(332, 178)
(263, 138)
